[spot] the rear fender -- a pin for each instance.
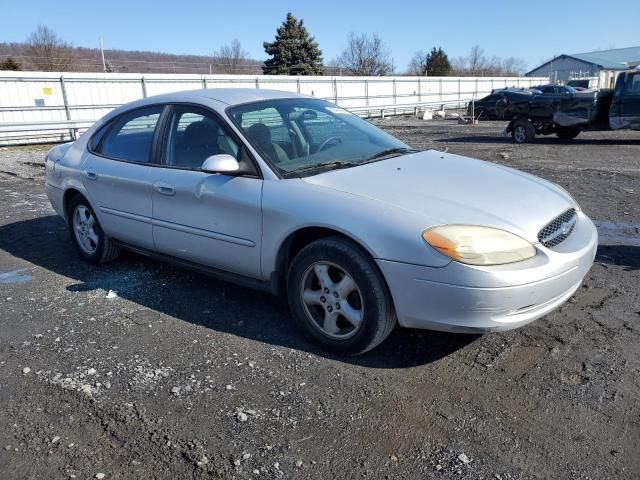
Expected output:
(57, 152)
(74, 184)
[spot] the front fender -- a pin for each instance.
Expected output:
(384, 231)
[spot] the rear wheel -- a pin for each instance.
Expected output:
(523, 131)
(92, 244)
(339, 297)
(567, 133)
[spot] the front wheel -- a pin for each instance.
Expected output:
(523, 131)
(567, 133)
(339, 297)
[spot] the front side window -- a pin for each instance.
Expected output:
(193, 135)
(304, 135)
(131, 135)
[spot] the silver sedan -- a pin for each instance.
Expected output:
(298, 197)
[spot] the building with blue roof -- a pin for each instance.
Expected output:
(603, 65)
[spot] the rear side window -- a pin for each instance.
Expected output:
(130, 136)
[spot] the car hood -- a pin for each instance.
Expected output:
(442, 188)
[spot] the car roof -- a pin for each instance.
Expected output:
(230, 96)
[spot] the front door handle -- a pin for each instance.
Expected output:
(91, 175)
(164, 188)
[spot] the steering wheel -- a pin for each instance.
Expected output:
(328, 141)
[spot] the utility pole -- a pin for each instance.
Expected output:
(104, 64)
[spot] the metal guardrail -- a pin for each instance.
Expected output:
(64, 130)
(43, 126)
(449, 92)
(402, 109)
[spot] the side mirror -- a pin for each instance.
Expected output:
(222, 163)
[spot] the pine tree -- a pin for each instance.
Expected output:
(10, 64)
(294, 51)
(437, 64)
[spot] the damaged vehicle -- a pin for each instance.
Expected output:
(293, 195)
(562, 110)
(494, 106)
(567, 114)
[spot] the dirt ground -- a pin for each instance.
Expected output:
(182, 376)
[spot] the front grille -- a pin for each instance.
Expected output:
(558, 229)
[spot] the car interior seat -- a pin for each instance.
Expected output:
(261, 134)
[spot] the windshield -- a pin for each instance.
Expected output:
(308, 135)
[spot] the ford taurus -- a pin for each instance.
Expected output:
(296, 196)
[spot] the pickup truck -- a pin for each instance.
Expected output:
(567, 115)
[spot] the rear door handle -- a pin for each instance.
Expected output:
(164, 188)
(91, 175)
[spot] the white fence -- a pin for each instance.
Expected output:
(44, 106)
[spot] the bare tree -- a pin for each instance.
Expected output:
(48, 51)
(476, 63)
(459, 65)
(492, 66)
(513, 66)
(365, 55)
(476, 60)
(232, 58)
(417, 64)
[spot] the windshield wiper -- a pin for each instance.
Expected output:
(390, 151)
(334, 165)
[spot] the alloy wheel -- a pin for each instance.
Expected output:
(84, 228)
(332, 300)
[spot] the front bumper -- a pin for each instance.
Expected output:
(471, 299)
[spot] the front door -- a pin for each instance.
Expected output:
(210, 219)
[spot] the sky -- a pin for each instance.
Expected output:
(533, 31)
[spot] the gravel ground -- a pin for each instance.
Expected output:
(176, 375)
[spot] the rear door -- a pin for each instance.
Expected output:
(117, 175)
(210, 219)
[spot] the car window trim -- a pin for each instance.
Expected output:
(169, 107)
(111, 123)
(156, 156)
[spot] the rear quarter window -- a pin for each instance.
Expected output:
(94, 143)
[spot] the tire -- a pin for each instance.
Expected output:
(523, 131)
(91, 243)
(567, 133)
(366, 299)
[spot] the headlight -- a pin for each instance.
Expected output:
(476, 245)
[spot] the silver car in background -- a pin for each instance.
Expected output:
(296, 196)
